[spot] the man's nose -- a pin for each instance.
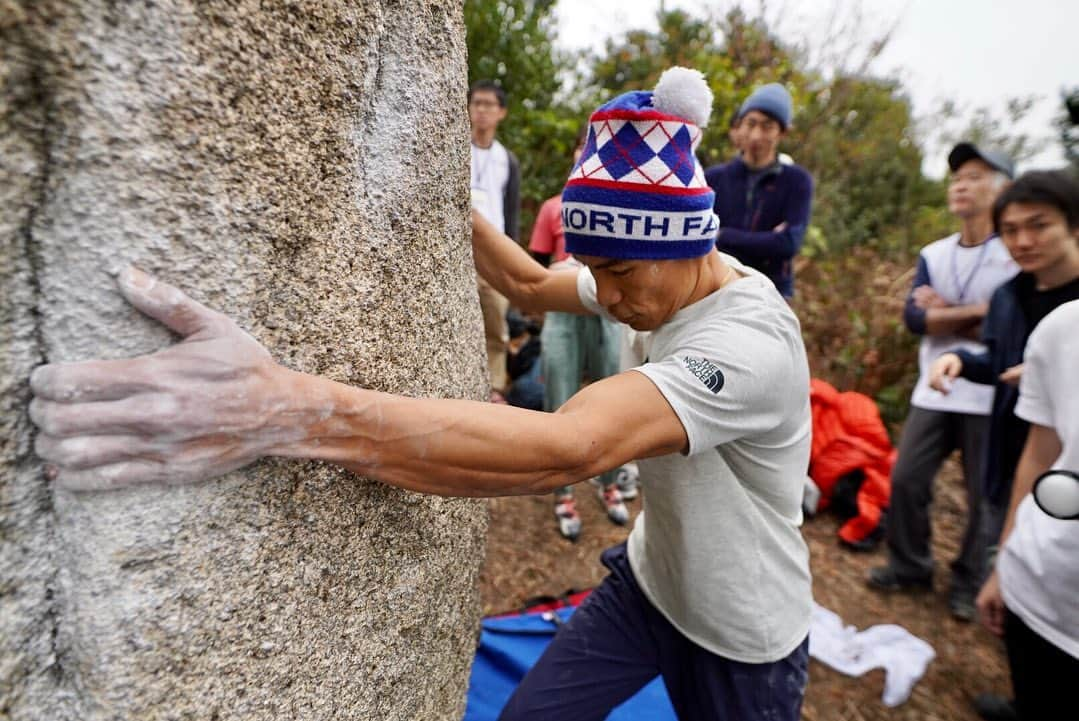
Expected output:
(1025, 237)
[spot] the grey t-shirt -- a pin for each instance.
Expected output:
(717, 547)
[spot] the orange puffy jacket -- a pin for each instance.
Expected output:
(849, 435)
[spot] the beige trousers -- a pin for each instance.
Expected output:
(494, 306)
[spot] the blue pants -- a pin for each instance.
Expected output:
(617, 642)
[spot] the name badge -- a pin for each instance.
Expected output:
(479, 198)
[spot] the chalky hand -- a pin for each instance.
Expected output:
(203, 407)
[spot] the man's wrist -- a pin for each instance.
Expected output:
(298, 403)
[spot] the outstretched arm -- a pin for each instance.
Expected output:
(527, 284)
(217, 401)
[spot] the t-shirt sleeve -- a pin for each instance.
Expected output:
(725, 394)
(1035, 403)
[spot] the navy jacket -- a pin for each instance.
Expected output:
(747, 215)
(1005, 331)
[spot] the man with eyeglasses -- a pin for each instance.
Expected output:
(496, 195)
(953, 282)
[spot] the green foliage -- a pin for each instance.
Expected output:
(873, 208)
(734, 53)
(512, 42)
(855, 132)
(1067, 126)
(850, 306)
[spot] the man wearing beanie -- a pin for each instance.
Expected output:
(763, 204)
(712, 589)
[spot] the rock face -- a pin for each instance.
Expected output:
(301, 166)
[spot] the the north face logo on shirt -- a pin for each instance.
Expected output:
(706, 370)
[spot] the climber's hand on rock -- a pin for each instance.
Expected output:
(205, 406)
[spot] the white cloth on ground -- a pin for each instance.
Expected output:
(903, 656)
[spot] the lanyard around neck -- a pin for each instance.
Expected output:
(965, 285)
(480, 171)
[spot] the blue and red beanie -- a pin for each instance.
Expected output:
(638, 191)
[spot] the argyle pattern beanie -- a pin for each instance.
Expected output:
(638, 191)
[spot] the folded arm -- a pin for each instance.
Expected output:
(782, 242)
(926, 313)
(762, 244)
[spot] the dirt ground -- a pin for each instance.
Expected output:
(526, 557)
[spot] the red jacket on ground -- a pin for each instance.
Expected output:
(848, 435)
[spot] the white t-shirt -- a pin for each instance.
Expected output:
(490, 173)
(717, 547)
(961, 276)
(1039, 565)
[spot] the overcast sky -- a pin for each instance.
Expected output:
(974, 51)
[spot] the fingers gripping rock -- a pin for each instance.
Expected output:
(166, 303)
(192, 411)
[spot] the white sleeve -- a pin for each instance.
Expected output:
(1035, 403)
(586, 291)
(740, 390)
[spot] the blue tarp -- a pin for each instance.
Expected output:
(508, 648)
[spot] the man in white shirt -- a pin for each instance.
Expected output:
(1032, 598)
(496, 195)
(953, 282)
(712, 590)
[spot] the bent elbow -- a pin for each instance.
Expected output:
(528, 303)
(915, 319)
(572, 462)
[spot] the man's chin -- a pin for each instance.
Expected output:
(640, 324)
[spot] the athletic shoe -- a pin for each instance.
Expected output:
(612, 501)
(626, 480)
(962, 607)
(995, 708)
(887, 579)
(569, 521)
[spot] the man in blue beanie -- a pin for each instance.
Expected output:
(713, 592)
(763, 204)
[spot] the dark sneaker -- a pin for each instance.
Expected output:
(962, 607)
(612, 501)
(885, 578)
(569, 521)
(992, 707)
(626, 479)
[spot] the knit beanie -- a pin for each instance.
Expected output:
(638, 191)
(773, 100)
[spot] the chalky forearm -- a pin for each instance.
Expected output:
(445, 447)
